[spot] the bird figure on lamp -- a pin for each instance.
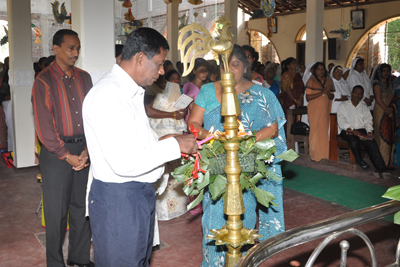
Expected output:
(60, 17)
(203, 43)
(267, 8)
(344, 32)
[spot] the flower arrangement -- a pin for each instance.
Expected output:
(208, 169)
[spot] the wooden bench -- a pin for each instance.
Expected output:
(336, 142)
(292, 139)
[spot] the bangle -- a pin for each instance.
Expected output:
(200, 133)
(174, 115)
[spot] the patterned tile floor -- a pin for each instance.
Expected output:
(20, 226)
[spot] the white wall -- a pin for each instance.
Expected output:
(289, 25)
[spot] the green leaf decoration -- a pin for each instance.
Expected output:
(244, 183)
(243, 147)
(187, 189)
(218, 187)
(397, 218)
(203, 154)
(182, 169)
(261, 156)
(264, 197)
(196, 201)
(248, 151)
(265, 144)
(289, 155)
(256, 178)
(216, 145)
(200, 178)
(393, 193)
(261, 166)
(179, 177)
(205, 181)
(194, 192)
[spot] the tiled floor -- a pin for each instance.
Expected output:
(20, 196)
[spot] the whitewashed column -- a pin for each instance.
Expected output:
(314, 30)
(95, 28)
(21, 80)
(173, 28)
(231, 11)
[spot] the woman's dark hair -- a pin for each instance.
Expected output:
(240, 53)
(213, 68)
(378, 73)
(170, 73)
(58, 37)
(49, 60)
(314, 72)
(254, 54)
(286, 63)
(197, 64)
(41, 60)
(146, 40)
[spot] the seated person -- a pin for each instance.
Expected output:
(355, 122)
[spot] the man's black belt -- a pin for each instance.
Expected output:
(73, 139)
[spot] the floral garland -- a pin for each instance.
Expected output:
(201, 171)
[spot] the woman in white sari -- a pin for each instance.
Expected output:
(357, 76)
(165, 119)
(342, 90)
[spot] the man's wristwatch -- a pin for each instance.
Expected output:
(65, 159)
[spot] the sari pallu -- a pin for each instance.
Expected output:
(318, 111)
(259, 109)
(171, 201)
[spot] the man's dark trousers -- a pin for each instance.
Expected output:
(64, 190)
(122, 218)
(370, 146)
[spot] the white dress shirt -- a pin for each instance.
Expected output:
(361, 78)
(121, 144)
(359, 117)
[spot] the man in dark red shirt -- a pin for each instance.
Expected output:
(57, 98)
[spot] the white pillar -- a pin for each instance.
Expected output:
(44, 21)
(21, 80)
(314, 30)
(95, 28)
(231, 11)
(173, 29)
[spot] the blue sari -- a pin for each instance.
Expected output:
(259, 109)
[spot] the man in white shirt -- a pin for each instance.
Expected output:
(355, 122)
(126, 157)
(358, 76)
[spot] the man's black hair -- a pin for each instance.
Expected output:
(146, 40)
(358, 87)
(58, 38)
(118, 50)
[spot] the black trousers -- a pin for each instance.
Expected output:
(64, 190)
(371, 148)
(122, 217)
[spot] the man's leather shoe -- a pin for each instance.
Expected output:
(71, 263)
(364, 165)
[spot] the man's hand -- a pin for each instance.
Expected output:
(370, 136)
(368, 101)
(78, 162)
(187, 143)
(388, 110)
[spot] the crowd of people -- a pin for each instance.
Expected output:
(129, 127)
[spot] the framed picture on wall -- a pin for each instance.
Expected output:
(358, 18)
(275, 28)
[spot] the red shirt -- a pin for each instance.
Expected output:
(57, 106)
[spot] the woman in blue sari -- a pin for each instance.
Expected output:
(260, 111)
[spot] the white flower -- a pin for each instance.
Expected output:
(270, 160)
(246, 98)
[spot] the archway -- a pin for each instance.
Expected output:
(264, 47)
(379, 44)
(300, 41)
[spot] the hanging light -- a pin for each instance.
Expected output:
(204, 13)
